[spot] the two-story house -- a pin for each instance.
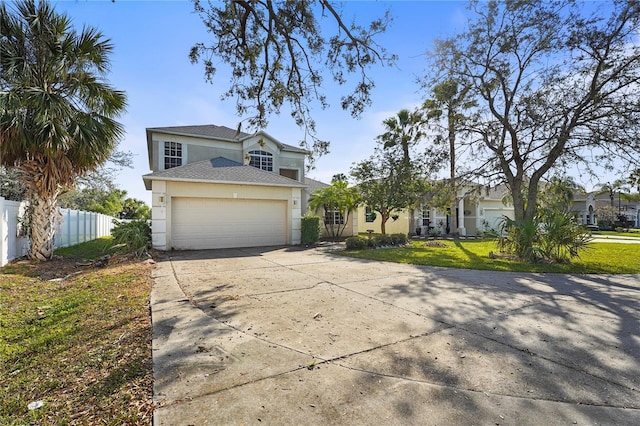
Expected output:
(215, 187)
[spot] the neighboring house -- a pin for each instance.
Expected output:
(483, 208)
(479, 208)
(330, 219)
(215, 187)
(585, 208)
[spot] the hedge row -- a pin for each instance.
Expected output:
(359, 243)
(310, 229)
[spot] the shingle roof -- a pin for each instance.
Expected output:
(207, 130)
(313, 185)
(221, 170)
(211, 131)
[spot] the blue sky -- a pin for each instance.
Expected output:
(150, 62)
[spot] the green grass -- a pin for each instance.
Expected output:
(81, 345)
(629, 233)
(600, 258)
(89, 250)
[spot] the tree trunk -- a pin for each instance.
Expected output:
(518, 201)
(412, 221)
(44, 218)
(452, 168)
(384, 217)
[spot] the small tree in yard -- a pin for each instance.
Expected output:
(337, 200)
(56, 112)
(386, 183)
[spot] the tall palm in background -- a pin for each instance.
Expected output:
(449, 101)
(611, 188)
(404, 130)
(56, 109)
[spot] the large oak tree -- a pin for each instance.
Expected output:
(556, 83)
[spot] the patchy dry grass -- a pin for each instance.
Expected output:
(78, 339)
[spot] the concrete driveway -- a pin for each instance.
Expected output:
(294, 336)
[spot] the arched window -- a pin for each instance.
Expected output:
(261, 159)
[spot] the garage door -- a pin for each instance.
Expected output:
(206, 223)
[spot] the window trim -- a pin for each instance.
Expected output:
(333, 217)
(368, 213)
(173, 152)
(261, 159)
(426, 217)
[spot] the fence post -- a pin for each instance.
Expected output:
(68, 226)
(4, 234)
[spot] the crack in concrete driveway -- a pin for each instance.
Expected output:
(287, 335)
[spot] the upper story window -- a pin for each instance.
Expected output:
(290, 173)
(261, 159)
(172, 154)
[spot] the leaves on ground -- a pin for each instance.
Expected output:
(77, 338)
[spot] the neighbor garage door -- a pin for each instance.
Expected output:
(206, 223)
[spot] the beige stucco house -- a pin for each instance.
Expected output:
(214, 187)
(479, 208)
(331, 222)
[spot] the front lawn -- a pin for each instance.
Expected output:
(599, 258)
(629, 233)
(76, 339)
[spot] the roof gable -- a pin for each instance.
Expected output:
(211, 131)
(221, 170)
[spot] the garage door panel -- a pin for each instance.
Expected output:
(202, 223)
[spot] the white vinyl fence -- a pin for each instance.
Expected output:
(79, 226)
(75, 227)
(11, 245)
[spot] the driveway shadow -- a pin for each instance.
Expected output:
(470, 346)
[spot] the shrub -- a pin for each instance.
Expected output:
(520, 238)
(382, 240)
(552, 236)
(132, 237)
(356, 243)
(399, 239)
(310, 229)
(561, 238)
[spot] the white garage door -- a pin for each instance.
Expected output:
(207, 223)
(495, 217)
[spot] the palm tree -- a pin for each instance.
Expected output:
(610, 189)
(335, 198)
(403, 130)
(450, 100)
(56, 110)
